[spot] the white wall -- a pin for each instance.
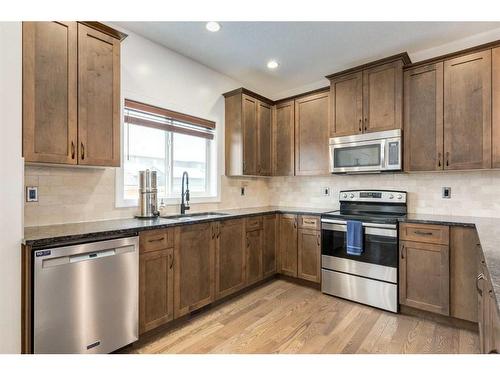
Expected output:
(11, 187)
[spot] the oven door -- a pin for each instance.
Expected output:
(365, 156)
(379, 259)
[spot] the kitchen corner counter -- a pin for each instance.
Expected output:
(72, 233)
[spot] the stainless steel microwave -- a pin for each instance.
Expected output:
(366, 153)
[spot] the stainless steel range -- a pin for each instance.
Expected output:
(370, 277)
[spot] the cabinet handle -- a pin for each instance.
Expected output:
(366, 123)
(72, 150)
(156, 239)
(213, 233)
(402, 252)
(309, 222)
(83, 150)
(248, 241)
(447, 159)
(479, 278)
(218, 230)
(360, 128)
(420, 233)
(318, 239)
(295, 224)
(171, 260)
(439, 159)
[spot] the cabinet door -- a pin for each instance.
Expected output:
(288, 245)
(284, 139)
(482, 303)
(265, 140)
(467, 111)
(311, 134)
(156, 297)
(194, 267)
(346, 95)
(98, 98)
(495, 143)
(254, 256)
(309, 255)
(383, 97)
(424, 276)
(249, 124)
(423, 118)
(230, 257)
(50, 92)
(269, 245)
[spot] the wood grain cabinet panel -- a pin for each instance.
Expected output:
(467, 111)
(428, 233)
(288, 245)
(269, 245)
(495, 89)
(311, 134)
(254, 256)
(249, 125)
(423, 118)
(424, 276)
(309, 255)
(50, 92)
(265, 139)
(194, 267)
(284, 139)
(346, 95)
(98, 98)
(383, 97)
(156, 277)
(230, 257)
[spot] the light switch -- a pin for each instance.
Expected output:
(446, 193)
(31, 194)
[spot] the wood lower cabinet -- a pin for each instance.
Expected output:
(284, 139)
(194, 267)
(495, 105)
(423, 118)
(488, 314)
(71, 94)
(346, 95)
(254, 256)
(230, 257)
(288, 245)
(312, 134)
(269, 245)
(309, 255)
(424, 281)
(156, 297)
(467, 111)
(50, 92)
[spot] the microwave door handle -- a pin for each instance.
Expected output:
(382, 154)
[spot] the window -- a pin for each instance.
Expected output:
(169, 143)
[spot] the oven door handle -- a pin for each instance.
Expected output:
(386, 232)
(366, 225)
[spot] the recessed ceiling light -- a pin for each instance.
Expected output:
(212, 26)
(272, 64)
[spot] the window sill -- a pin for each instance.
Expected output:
(168, 201)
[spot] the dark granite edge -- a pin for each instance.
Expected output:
(438, 222)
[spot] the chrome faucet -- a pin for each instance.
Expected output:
(185, 194)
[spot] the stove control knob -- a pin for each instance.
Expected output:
(399, 196)
(351, 196)
(391, 196)
(345, 195)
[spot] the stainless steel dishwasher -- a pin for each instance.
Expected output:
(86, 297)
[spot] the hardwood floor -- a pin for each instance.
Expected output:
(282, 317)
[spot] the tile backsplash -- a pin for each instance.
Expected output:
(84, 194)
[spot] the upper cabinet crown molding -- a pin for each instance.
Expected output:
(71, 93)
(242, 90)
(99, 26)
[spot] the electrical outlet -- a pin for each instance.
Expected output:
(325, 191)
(31, 193)
(242, 191)
(446, 192)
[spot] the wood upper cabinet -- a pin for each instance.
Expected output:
(71, 94)
(50, 92)
(383, 97)
(309, 255)
(230, 257)
(156, 296)
(254, 256)
(194, 267)
(98, 98)
(284, 139)
(423, 118)
(346, 95)
(250, 142)
(269, 245)
(311, 134)
(424, 276)
(265, 139)
(288, 245)
(467, 111)
(495, 89)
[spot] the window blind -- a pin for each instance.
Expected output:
(154, 117)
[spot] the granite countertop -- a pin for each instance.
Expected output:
(65, 234)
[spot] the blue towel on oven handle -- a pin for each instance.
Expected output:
(354, 237)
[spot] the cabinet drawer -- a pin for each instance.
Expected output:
(158, 239)
(253, 223)
(309, 222)
(436, 234)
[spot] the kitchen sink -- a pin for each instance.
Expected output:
(195, 216)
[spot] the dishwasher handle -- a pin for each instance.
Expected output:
(91, 256)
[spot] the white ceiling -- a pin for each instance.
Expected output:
(306, 51)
